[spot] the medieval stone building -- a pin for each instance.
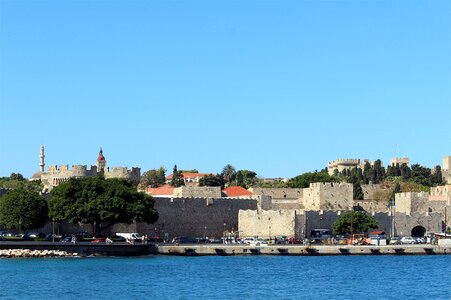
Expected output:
(58, 174)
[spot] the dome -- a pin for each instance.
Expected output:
(37, 175)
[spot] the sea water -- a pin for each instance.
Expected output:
(238, 277)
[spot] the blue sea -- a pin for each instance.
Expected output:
(217, 277)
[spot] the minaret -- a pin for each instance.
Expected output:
(41, 159)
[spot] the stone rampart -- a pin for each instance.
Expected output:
(266, 223)
(133, 174)
(328, 196)
(196, 217)
(412, 202)
(299, 224)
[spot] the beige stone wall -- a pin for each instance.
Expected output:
(328, 196)
(411, 202)
(266, 223)
(133, 174)
(197, 192)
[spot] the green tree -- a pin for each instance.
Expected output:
(421, 175)
(177, 177)
(228, 172)
(245, 178)
(212, 180)
(436, 177)
(378, 174)
(100, 202)
(405, 171)
(23, 208)
(367, 173)
(16, 176)
(354, 222)
(304, 180)
(189, 171)
(357, 191)
(153, 178)
(16, 181)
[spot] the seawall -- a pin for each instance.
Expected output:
(222, 249)
(86, 248)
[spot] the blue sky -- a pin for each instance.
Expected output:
(278, 87)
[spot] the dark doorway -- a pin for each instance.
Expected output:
(418, 231)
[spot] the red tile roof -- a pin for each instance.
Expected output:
(237, 191)
(162, 190)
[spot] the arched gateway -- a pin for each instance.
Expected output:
(418, 231)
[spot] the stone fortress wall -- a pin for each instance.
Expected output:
(265, 223)
(412, 204)
(133, 174)
(328, 196)
(197, 217)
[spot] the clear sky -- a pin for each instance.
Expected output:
(278, 87)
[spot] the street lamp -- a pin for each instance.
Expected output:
(224, 233)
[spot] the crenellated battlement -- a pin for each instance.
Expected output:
(329, 184)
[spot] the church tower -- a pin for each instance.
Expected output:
(41, 159)
(101, 163)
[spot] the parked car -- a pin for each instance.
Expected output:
(407, 240)
(215, 240)
(395, 241)
(99, 240)
(184, 240)
(420, 240)
(66, 239)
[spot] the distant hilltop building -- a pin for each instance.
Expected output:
(399, 161)
(342, 164)
(58, 174)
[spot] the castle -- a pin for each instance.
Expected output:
(58, 174)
